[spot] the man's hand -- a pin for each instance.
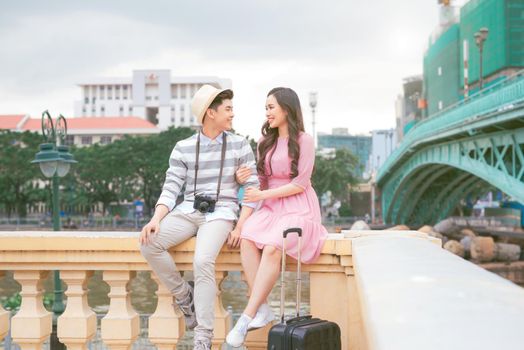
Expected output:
(234, 239)
(151, 228)
(242, 174)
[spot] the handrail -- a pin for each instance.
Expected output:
(510, 90)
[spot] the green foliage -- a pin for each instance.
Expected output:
(133, 167)
(18, 178)
(13, 302)
(150, 161)
(345, 210)
(335, 174)
(129, 168)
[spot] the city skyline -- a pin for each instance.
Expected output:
(355, 65)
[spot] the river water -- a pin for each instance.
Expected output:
(144, 301)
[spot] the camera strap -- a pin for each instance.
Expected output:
(223, 157)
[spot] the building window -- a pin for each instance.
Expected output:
(192, 120)
(109, 92)
(70, 140)
(182, 120)
(130, 109)
(148, 98)
(183, 88)
(172, 120)
(102, 110)
(102, 92)
(121, 110)
(93, 109)
(93, 100)
(174, 91)
(86, 100)
(125, 91)
(117, 92)
(87, 140)
(104, 140)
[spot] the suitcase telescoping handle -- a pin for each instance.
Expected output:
(299, 279)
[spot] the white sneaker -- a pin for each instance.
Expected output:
(263, 317)
(237, 335)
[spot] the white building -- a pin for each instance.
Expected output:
(383, 142)
(153, 95)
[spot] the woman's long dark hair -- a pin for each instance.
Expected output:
(289, 102)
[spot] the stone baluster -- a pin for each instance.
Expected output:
(166, 325)
(33, 324)
(4, 317)
(121, 326)
(222, 316)
(256, 339)
(339, 304)
(77, 325)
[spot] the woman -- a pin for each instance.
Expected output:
(285, 163)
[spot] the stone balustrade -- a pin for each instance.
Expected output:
(385, 289)
(33, 255)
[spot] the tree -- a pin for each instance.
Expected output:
(18, 177)
(335, 174)
(151, 161)
(105, 173)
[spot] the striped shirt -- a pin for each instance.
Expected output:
(182, 171)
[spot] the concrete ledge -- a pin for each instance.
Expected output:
(115, 241)
(416, 296)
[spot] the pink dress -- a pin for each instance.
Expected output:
(265, 226)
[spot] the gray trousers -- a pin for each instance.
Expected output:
(176, 228)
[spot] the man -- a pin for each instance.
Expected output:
(206, 163)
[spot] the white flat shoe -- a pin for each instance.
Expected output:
(237, 335)
(263, 317)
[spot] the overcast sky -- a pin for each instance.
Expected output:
(354, 54)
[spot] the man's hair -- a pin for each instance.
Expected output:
(224, 95)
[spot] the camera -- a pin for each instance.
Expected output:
(204, 204)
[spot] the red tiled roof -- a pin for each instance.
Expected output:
(10, 121)
(97, 123)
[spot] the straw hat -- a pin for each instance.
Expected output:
(202, 99)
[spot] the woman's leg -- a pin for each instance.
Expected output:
(250, 256)
(261, 285)
(267, 275)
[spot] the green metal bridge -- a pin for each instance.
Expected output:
(466, 149)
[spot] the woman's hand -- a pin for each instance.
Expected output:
(253, 194)
(234, 239)
(242, 174)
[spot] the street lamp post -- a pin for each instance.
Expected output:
(313, 105)
(480, 38)
(55, 161)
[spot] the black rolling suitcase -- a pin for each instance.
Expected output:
(301, 332)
